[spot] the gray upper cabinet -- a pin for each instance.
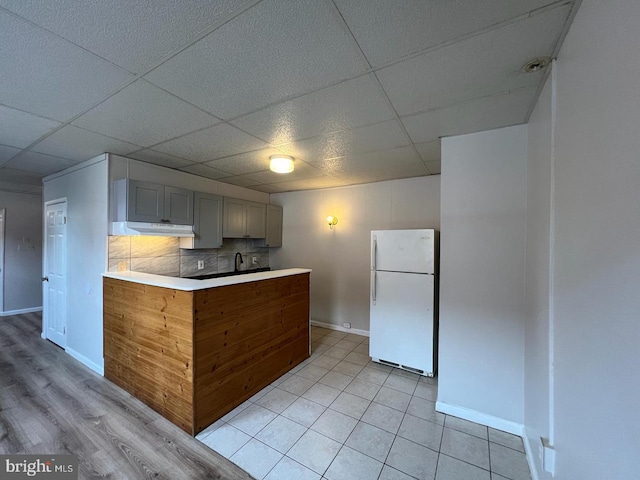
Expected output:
(145, 201)
(207, 222)
(151, 202)
(178, 206)
(273, 236)
(256, 217)
(243, 219)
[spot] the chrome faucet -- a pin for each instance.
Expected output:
(235, 262)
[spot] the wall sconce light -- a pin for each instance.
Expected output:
(281, 163)
(331, 220)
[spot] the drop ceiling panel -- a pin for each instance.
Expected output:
(255, 161)
(324, 181)
(39, 163)
(268, 188)
(434, 167)
(212, 143)
(389, 30)
(302, 170)
(429, 151)
(21, 129)
(134, 35)
(78, 144)
(380, 136)
(48, 76)
(362, 163)
(144, 115)
(350, 104)
(158, 158)
(483, 65)
(204, 171)
(386, 172)
(238, 180)
(474, 116)
(275, 50)
(6, 153)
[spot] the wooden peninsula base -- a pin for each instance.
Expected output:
(195, 352)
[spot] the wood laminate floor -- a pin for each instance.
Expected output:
(52, 404)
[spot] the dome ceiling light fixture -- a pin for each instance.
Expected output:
(536, 64)
(281, 163)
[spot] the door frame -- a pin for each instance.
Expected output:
(45, 253)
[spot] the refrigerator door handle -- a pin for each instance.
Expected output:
(373, 286)
(374, 251)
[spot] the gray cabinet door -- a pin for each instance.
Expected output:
(273, 236)
(178, 206)
(256, 218)
(145, 202)
(207, 221)
(234, 218)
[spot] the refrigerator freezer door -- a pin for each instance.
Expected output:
(401, 320)
(403, 250)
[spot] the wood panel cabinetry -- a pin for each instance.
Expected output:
(193, 356)
(243, 219)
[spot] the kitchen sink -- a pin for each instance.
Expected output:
(230, 274)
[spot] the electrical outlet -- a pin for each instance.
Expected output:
(254, 260)
(200, 264)
(346, 325)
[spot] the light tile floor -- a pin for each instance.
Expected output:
(338, 415)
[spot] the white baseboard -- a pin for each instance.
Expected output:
(19, 311)
(530, 451)
(331, 326)
(99, 369)
(481, 418)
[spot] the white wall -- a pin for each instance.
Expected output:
(340, 257)
(23, 250)
(537, 277)
(597, 245)
(482, 251)
(86, 191)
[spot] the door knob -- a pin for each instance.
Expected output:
(45, 279)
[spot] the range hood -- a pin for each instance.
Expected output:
(152, 229)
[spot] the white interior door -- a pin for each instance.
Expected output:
(55, 273)
(401, 319)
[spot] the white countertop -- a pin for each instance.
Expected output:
(189, 284)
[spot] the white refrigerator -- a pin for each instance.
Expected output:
(403, 299)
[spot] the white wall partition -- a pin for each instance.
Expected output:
(482, 277)
(596, 291)
(538, 278)
(340, 257)
(85, 188)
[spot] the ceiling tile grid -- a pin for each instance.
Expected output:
(356, 90)
(20, 129)
(48, 76)
(276, 49)
(133, 35)
(483, 65)
(145, 115)
(211, 143)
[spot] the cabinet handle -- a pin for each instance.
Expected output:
(247, 236)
